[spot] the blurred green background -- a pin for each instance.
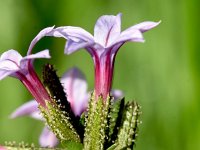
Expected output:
(163, 74)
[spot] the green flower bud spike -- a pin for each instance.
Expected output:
(58, 115)
(96, 123)
(115, 118)
(129, 127)
(111, 125)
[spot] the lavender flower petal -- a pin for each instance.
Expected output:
(145, 26)
(41, 54)
(11, 55)
(76, 36)
(11, 61)
(47, 138)
(133, 35)
(75, 86)
(41, 34)
(25, 109)
(5, 73)
(107, 29)
(117, 94)
(72, 46)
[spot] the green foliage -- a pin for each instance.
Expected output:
(59, 123)
(107, 125)
(111, 125)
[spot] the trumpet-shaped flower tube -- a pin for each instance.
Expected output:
(13, 64)
(103, 46)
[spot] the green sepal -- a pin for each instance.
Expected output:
(128, 129)
(70, 145)
(114, 120)
(55, 89)
(96, 123)
(59, 123)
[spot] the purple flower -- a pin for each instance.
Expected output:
(13, 64)
(103, 46)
